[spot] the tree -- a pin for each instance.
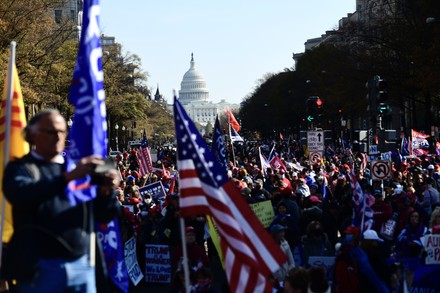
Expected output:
(44, 50)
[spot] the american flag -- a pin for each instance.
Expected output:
(358, 199)
(234, 135)
(364, 161)
(249, 251)
(404, 148)
(144, 157)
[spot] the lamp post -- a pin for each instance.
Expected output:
(116, 139)
(123, 135)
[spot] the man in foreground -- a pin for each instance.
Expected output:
(50, 248)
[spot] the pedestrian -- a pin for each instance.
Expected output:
(51, 241)
(278, 233)
(409, 243)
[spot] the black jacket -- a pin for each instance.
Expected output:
(38, 200)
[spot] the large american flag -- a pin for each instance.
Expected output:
(249, 251)
(144, 157)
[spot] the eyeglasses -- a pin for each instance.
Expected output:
(53, 132)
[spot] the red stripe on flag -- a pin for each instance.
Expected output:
(144, 160)
(14, 109)
(14, 123)
(247, 256)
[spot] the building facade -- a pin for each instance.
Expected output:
(194, 97)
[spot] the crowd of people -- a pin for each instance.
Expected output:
(315, 216)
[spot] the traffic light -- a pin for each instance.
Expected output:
(311, 109)
(314, 108)
(320, 109)
(382, 91)
(384, 108)
(382, 96)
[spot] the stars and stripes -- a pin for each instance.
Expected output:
(358, 200)
(405, 147)
(250, 253)
(234, 135)
(144, 156)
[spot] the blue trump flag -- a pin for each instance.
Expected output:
(88, 135)
(218, 146)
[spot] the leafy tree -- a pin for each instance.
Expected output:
(44, 50)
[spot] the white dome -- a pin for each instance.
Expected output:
(193, 86)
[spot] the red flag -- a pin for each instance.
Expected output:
(276, 163)
(172, 186)
(232, 121)
(250, 253)
(165, 172)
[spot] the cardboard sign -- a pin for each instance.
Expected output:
(157, 264)
(431, 243)
(156, 190)
(264, 212)
(134, 271)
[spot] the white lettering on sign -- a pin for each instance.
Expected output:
(315, 141)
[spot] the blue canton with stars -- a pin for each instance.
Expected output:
(191, 146)
(144, 141)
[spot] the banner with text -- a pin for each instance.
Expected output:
(155, 189)
(264, 212)
(157, 264)
(431, 243)
(134, 271)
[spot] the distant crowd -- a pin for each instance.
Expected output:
(316, 217)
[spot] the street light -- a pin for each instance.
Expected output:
(123, 135)
(117, 127)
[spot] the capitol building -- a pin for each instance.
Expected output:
(194, 97)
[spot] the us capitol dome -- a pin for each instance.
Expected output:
(193, 86)
(194, 97)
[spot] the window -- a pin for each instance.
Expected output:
(58, 15)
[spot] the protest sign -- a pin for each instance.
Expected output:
(157, 264)
(134, 271)
(156, 190)
(264, 212)
(431, 244)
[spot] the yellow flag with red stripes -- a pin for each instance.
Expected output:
(15, 146)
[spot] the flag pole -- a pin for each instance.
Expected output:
(182, 235)
(232, 145)
(8, 113)
(185, 255)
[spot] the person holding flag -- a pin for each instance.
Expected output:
(43, 217)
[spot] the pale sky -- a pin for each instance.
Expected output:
(235, 43)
